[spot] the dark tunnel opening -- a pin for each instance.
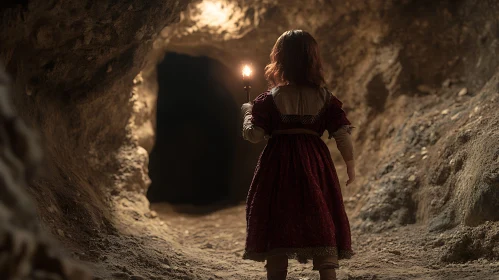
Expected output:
(196, 132)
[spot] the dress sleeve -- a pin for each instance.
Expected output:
(340, 128)
(256, 125)
(261, 112)
(336, 117)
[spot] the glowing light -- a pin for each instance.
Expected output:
(213, 12)
(247, 71)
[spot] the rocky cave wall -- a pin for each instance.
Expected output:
(73, 65)
(26, 251)
(418, 79)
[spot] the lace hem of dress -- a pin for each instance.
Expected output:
(302, 255)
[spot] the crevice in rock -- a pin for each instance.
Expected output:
(377, 93)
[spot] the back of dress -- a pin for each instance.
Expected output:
(294, 205)
(291, 107)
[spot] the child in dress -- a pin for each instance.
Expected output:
(295, 206)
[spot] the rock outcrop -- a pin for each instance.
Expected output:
(26, 251)
(74, 64)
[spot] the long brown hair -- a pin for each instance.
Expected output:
(295, 59)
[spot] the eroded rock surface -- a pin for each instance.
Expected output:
(472, 244)
(26, 252)
(73, 64)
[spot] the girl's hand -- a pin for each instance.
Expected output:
(350, 171)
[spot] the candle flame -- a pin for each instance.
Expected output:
(246, 71)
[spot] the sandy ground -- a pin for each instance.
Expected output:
(216, 241)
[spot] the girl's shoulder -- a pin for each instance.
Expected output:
(265, 96)
(333, 100)
(262, 106)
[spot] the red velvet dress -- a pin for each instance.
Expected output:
(294, 205)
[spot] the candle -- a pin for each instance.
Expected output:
(246, 80)
(246, 71)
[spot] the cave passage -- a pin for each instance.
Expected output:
(197, 130)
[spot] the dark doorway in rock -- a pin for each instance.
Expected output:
(196, 132)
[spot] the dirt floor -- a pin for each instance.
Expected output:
(216, 242)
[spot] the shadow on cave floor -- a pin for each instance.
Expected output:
(197, 138)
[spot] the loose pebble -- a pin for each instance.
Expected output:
(455, 116)
(395, 252)
(425, 89)
(463, 92)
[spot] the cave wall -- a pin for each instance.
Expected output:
(74, 65)
(26, 251)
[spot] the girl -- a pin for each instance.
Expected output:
(294, 206)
